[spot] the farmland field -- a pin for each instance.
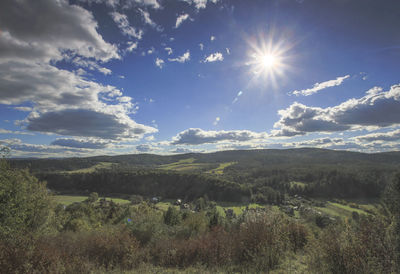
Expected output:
(70, 199)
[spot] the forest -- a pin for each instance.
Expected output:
(289, 211)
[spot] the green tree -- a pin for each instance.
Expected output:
(392, 200)
(25, 206)
(93, 197)
(172, 216)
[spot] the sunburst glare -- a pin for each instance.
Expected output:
(268, 59)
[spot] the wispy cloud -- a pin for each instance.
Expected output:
(123, 24)
(320, 86)
(214, 57)
(181, 19)
(181, 59)
(149, 21)
(131, 46)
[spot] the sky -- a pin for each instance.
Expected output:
(108, 77)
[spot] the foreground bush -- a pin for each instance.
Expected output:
(72, 252)
(366, 247)
(259, 243)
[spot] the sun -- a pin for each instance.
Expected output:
(268, 61)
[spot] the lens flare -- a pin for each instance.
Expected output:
(268, 58)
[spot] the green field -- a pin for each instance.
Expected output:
(339, 210)
(70, 199)
(220, 169)
(101, 165)
(184, 165)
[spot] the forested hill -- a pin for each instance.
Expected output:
(244, 158)
(237, 175)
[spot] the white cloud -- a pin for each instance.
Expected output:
(151, 3)
(196, 136)
(201, 46)
(375, 110)
(159, 63)
(110, 3)
(18, 132)
(212, 38)
(374, 90)
(149, 21)
(131, 46)
(386, 136)
(63, 102)
(88, 143)
(90, 64)
(65, 27)
(123, 24)
(228, 51)
(150, 138)
(214, 57)
(200, 4)
(29, 109)
(169, 50)
(180, 19)
(151, 50)
(181, 59)
(320, 86)
(143, 148)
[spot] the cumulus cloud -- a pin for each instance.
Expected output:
(200, 4)
(143, 148)
(159, 63)
(374, 110)
(381, 136)
(320, 86)
(80, 143)
(197, 136)
(182, 150)
(110, 3)
(212, 38)
(27, 36)
(299, 119)
(214, 57)
(123, 24)
(150, 3)
(24, 149)
(181, 59)
(62, 102)
(180, 19)
(88, 123)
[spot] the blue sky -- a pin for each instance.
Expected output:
(91, 77)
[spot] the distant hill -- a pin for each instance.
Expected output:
(244, 158)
